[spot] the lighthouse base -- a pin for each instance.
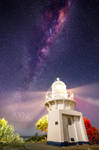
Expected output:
(66, 128)
(66, 143)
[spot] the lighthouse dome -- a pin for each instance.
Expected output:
(59, 89)
(58, 85)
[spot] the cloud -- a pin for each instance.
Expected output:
(90, 90)
(22, 109)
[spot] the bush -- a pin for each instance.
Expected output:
(92, 132)
(7, 134)
(37, 138)
(42, 124)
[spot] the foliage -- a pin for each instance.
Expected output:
(42, 124)
(92, 132)
(7, 134)
(37, 138)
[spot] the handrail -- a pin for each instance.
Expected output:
(59, 95)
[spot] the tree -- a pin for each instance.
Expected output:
(92, 132)
(7, 134)
(42, 124)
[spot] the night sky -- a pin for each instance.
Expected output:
(40, 41)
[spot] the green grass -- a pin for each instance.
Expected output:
(44, 146)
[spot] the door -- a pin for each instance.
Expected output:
(65, 128)
(71, 129)
(68, 128)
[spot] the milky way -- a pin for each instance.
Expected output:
(54, 18)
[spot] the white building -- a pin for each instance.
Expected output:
(65, 125)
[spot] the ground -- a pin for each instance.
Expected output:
(43, 146)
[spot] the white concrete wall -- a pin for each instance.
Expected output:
(54, 129)
(77, 129)
(80, 128)
(83, 129)
(62, 131)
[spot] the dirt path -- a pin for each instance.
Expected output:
(42, 146)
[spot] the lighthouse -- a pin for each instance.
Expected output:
(65, 124)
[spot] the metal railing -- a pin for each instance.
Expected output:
(59, 95)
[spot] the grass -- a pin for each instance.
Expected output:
(44, 146)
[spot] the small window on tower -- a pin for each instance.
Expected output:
(56, 122)
(69, 121)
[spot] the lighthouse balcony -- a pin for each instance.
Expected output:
(60, 101)
(59, 95)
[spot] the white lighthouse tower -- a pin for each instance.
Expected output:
(65, 125)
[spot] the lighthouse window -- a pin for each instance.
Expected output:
(56, 122)
(69, 121)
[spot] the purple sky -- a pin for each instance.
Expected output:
(43, 40)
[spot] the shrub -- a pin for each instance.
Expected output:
(42, 124)
(92, 132)
(7, 134)
(37, 138)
